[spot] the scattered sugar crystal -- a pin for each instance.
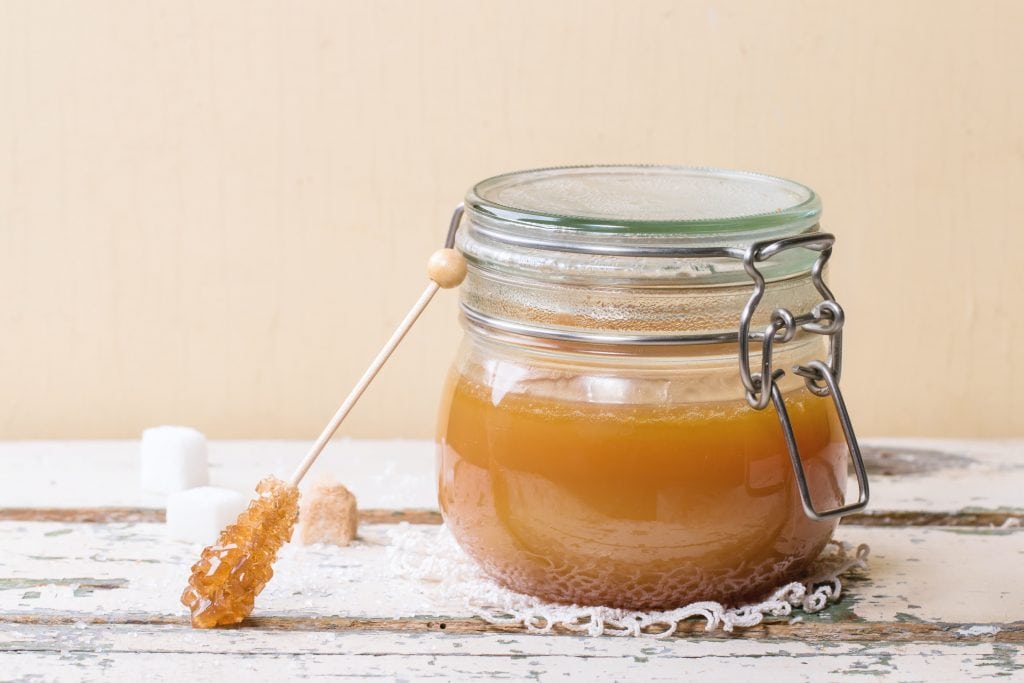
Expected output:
(978, 630)
(198, 515)
(173, 459)
(328, 515)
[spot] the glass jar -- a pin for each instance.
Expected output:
(603, 436)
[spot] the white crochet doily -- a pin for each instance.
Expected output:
(437, 561)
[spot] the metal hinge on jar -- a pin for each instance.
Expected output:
(821, 377)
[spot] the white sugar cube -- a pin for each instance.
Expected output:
(173, 459)
(198, 515)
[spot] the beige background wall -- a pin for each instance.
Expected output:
(212, 213)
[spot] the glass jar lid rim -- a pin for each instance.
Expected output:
(644, 200)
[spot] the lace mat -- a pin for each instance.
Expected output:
(437, 561)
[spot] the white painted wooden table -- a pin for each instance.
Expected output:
(89, 582)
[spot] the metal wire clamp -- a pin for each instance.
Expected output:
(821, 378)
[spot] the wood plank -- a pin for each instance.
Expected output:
(108, 515)
(256, 639)
(776, 629)
(104, 571)
(385, 474)
(895, 518)
(102, 653)
(963, 518)
(908, 475)
(173, 638)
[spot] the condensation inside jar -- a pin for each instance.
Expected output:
(629, 474)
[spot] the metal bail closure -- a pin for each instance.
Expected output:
(821, 378)
(824, 373)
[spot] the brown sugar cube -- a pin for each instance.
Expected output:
(328, 515)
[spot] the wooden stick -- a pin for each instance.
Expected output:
(364, 381)
(447, 269)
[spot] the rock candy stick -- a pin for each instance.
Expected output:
(230, 574)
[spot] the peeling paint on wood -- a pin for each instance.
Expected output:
(889, 461)
(157, 515)
(443, 662)
(965, 518)
(911, 574)
(773, 629)
(89, 582)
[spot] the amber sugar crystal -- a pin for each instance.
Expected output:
(231, 573)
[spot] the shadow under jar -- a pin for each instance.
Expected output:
(644, 411)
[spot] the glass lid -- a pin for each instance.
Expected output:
(649, 200)
(641, 251)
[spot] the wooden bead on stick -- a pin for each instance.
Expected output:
(447, 268)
